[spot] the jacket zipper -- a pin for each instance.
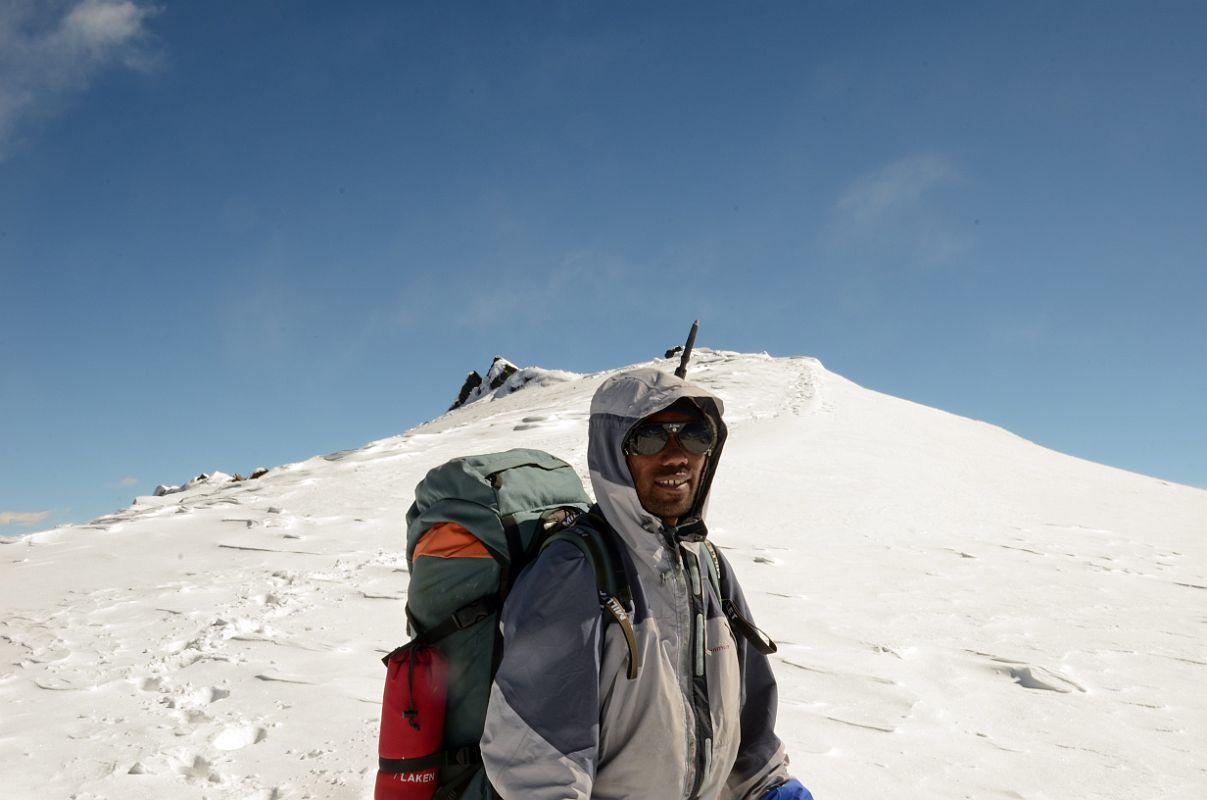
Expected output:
(682, 598)
(698, 680)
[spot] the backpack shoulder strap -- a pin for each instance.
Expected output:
(589, 533)
(714, 568)
(741, 625)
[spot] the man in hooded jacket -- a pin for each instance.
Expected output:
(564, 719)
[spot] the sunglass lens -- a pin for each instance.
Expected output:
(696, 437)
(646, 440)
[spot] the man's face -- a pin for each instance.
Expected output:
(667, 481)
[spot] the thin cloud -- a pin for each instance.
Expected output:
(898, 210)
(513, 295)
(899, 187)
(22, 517)
(126, 483)
(49, 54)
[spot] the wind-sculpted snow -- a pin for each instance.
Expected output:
(960, 613)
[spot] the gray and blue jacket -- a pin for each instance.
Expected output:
(564, 719)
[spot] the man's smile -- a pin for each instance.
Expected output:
(675, 482)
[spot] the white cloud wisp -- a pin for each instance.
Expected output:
(22, 517)
(45, 56)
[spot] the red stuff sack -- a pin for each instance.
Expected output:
(412, 723)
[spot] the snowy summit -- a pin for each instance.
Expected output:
(960, 613)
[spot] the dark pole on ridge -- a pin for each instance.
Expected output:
(687, 351)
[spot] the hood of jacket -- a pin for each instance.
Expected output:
(621, 402)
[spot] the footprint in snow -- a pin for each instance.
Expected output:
(199, 769)
(236, 737)
(199, 698)
(152, 684)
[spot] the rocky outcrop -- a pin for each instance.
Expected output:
(476, 387)
(215, 477)
(472, 381)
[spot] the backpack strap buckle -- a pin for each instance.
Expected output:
(617, 610)
(464, 617)
(469, 615)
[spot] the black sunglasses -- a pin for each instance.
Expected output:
(648, 438)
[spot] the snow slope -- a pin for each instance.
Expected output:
(961, 614)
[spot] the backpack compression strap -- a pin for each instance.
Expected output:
(464, 617)
(749, 631)
(462, 756)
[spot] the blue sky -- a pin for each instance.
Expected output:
(236, 234)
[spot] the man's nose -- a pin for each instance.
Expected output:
(674, 450)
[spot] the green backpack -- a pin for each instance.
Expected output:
(475, 524)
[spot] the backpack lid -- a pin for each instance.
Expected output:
(485, 493)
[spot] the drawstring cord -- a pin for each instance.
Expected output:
(412, 712)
